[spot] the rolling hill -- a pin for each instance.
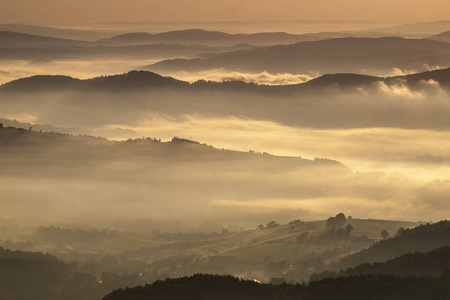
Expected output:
(34, 275)
(203, 286)
(415, 29)
(363, 101)
(136, 166)
(443, 37)
(131, 80)
(179, 148)
(10, 39)
(67, 51)
(346, 55)
(204, 37)
(432, 263)
(146, 80)
(423, 238)
(62, 33)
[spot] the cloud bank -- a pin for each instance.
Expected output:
(219, 75)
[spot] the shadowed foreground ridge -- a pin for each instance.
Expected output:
(422, 238)
(431, 263)
(209, 287)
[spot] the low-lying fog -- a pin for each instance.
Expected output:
(82, 68)
(393, 138)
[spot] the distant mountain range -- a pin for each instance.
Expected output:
(443, 37)
(410, 30)
(354, 55)
(40, 49)
(64, 33)
(306, 53)
(204, 37)
(133, 97)
(414, 29)
(10, 39)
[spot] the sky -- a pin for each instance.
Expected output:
(85, 11)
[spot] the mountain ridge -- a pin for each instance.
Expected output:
(10, 39)
(347, 55)
(11, 136)
(442, 37)
(423, 238)
(148, 80)
(195, 36)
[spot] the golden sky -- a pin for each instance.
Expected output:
(82, 11)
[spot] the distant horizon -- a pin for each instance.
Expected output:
(293, 27)
(101, 11)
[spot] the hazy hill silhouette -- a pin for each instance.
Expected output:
(127, 81)
(50, 52)
(107, 133)
(309, 104)
(136, 80)
(42, 83)
(64, 33)
(443, 37)
(22, 46)
(145, 80)
(40, 269)
(432, 263)
(413, 81)
(177, 147)
(127, 97)
(35, 275)
(342, 80)
(347, 55)
(423, 238)
(157, 176)
(206, 287)
(209, 287)
(10, 39)
(414, 29)
(204, 37)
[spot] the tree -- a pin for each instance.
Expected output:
(384, 234)
(336, 222)
(302, 237)
(272, 224)
(348, 230)
(400, 231)
(295, 222)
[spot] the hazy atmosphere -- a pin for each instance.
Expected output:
(294, 149)
(99, 11)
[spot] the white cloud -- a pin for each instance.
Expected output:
(430, 83)
(220, 75)
(397, 90)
